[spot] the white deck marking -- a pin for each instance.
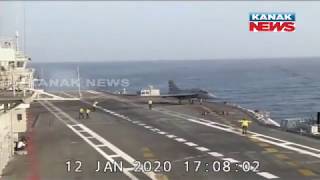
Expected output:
(180, 139)
(171, 136)
(231, 160)
(215, 154)
(191, 144)
(101, 145)
(93, 92)
(155, 129)
(52, 108)
(267, 175)
(114, 156)
(202, 149)
(148, 127)
(72, 125)
(161, 132)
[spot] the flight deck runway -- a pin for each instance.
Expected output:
(169, 142)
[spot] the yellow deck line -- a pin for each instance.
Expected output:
(306, 172)
(281, 156)
(271, 150)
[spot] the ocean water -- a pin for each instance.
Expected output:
(286, 87)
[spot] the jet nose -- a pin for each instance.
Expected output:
(211, 96)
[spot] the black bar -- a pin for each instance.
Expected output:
(318, 121)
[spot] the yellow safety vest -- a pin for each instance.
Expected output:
(244, 122)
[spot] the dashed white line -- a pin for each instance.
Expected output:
(267, 175)
(154, 129)
(161, 132)
(180, 139)
(93, 92)
(191, 144)
(215, 154)
(202, 149)
(230, 160)
(171, 136)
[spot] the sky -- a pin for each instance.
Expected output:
(156, 30)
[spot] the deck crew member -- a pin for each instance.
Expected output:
(94, 106)
(21, 145)
(150, 104)
(81, 113)
(244, 124)
(87, 113)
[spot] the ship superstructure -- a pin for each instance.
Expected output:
(16, 84)
(13, 72)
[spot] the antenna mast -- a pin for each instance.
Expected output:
(17, 40)
(79, 89)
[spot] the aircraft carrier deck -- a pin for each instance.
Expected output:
(123, 129)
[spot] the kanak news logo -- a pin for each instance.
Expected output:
(272, 22)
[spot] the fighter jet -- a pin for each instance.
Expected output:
(187, 94)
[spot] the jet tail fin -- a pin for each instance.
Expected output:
(172, 86)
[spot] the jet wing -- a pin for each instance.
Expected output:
(180, 95)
